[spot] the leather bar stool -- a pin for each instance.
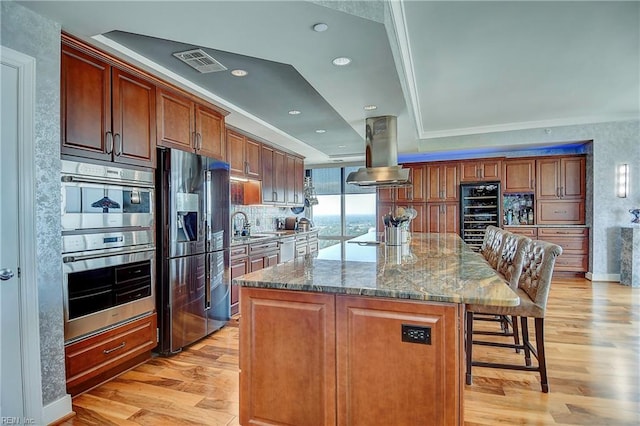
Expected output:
(533, 289)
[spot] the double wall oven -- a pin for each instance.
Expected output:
(108, 246)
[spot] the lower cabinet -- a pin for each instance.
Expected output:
(98, 358)
(323, 359)
(263, 255)
(239, 265)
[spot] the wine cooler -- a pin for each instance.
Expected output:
(480, 207)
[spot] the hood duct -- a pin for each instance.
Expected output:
(381, 156)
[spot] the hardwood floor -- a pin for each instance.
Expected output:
(593, 357)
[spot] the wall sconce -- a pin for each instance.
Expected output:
(623, 181)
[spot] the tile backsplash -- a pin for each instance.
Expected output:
(262, 218)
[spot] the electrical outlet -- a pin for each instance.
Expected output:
(416, 334)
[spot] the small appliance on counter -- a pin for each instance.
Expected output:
(304, 224)
(290, 223)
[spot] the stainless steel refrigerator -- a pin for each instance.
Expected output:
(193, 247)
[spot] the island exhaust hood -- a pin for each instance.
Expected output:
(381, 156)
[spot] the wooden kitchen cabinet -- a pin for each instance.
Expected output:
(98, 358)
(186, 125)
(417, 191)
(443, 217)
(560, 212)
(244, 156)
(324, 359)
(107, 112)
(575, 247)
(274, 176)
(294, 194)
(480, 170)
(263, 254)
(239, 265)
(560, 178)
(518, 175)
(442, 182)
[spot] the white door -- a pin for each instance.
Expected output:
(11, 403)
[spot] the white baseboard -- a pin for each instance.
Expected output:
(56, 410)
(602, 277)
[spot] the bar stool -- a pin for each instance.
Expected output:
(533, 289)
(491, 250)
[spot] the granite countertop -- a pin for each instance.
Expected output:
(434, 267)
(545, 226)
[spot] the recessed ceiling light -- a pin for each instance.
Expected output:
(239, 73)
(341, 61)
(321, 131)
(342, 146)
(320, 27)
(294, 112)
(370, 107)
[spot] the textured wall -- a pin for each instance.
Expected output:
(36, 36)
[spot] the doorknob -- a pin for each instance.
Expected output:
(6, 274)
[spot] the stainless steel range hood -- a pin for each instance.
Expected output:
(381, 156)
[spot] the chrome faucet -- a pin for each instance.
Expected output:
(246, 226)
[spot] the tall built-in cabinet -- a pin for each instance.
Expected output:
(555, 186)
(107, 110)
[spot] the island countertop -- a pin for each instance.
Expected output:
(433, 267)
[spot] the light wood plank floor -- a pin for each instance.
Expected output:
(593, 357)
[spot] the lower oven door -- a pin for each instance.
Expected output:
(101, 290)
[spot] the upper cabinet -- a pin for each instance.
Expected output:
(442, 181)
(273, 175)
(480, 170)
(244, 156)
(519, 175)
(561, 178)
(417, 191)
(294, 194)
(107, 112)
(189, 126)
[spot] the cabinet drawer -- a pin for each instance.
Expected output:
(104, 355)
(301, 250)
(563, 232)
(237, 252)
(561, 212)
(577, 245)
(572, 263)
(526, 231)
(263, 247)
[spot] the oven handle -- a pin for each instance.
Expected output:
(70, 259)
(120, 182)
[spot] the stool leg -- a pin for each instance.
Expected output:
(525, 341)
(542, 363)
(469, 345)
(516, 332)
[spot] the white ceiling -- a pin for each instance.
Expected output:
(444, 68)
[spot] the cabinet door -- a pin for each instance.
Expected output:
(256, 263)
(253, 156)
(268, 194)
(210, 133)
(290, 190)
(419, 223)
(442, 217)
(372, 349)
(238, 268)
(434, 190)
(175, 120)
(490, 169)
(279, 176)
(442, 182)
(287, 348)
(518, 175)
(548, 172)
(85, 105)
(450, 181)
(416, 192)
(386, 194)
(271, 259)
(134, 119)
(469, 171)
(235, 153)
(573, 177)
(560, 212)
(298, 183)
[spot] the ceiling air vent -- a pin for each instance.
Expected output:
(200, 60)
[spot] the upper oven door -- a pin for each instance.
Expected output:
(87, 205)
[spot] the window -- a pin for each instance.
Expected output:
(343, 211)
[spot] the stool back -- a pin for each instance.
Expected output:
(537, 270)
(511, 258)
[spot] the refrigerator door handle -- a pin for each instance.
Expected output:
(207, 282)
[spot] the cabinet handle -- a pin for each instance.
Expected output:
(108, 351)
(275, 196)
(247, 167)
(532, 187)
(562, 192)
(109, 142)
(118, 140)
(194, 139)
(560, 211)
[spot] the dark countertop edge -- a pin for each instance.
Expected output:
(364, 291)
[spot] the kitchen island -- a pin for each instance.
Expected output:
(367, 335)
